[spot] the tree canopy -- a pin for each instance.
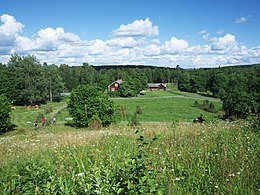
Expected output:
(24, 80)
(88, 101)
(5, 119)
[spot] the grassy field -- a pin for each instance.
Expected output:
(167, 154)
(157, 106)
(161, 106)
(183, 158)
(24, 117)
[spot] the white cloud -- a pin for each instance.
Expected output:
(226, 43)
(219, 32)
(9, 30)
(47, 39)
(174, 45)
(241, 20)
(98, 47)
(122, 42)
(55, 45)
(202, 32)
(137, 28)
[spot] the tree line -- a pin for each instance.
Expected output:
(25, 81)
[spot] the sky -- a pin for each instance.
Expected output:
(189, 33)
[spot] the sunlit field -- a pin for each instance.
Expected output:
(166, 154)
(176, 158)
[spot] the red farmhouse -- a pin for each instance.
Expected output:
(115, 85)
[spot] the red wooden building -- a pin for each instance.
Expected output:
(115, 86)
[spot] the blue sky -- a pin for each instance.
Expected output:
(201, 33)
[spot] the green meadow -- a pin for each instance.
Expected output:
(166, 154)
(161, 106)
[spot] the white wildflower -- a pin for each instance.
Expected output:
(79, 175)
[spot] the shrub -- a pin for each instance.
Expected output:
(88, 101)
(5, 119)
(207, 106)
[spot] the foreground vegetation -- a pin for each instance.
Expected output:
(177, 158)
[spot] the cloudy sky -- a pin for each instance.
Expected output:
(190, 33)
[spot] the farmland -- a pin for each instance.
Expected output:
(166, 154)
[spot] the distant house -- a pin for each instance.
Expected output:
(157, 86)
(115, 86)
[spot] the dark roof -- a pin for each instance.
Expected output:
(120, 81)
(156, 84)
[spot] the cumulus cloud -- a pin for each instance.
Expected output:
(122, 42)
(9, 30)
(225, 43)
(137, 28)
(174, 45)
(130, 44)
(47, 39)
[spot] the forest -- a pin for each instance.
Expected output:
(25, 81)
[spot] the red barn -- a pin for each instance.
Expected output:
(115, 85)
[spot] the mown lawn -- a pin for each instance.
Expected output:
(25, 117)
(165, 107)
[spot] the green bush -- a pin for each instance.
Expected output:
(88, 101)
(207, 106)
(5, 119)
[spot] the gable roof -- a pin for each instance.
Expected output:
(120, 81)
(154, 85)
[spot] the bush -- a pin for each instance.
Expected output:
(88, 101)
(207, 106)
(5, 119)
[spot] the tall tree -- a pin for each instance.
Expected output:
(5, 119)
(88, 101)
(54, 82)
(28, 80)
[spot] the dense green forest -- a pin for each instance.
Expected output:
(25, 81)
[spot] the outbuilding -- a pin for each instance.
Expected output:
(157, 86)
(115, 86)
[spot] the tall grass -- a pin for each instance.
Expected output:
(173, 158)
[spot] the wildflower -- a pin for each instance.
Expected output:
(238, 173)
(231, 175)
(79, 175)
(177, 179)
(216, 187)
(178, 154)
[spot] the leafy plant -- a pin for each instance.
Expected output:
(88, 101)
(5, 119)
